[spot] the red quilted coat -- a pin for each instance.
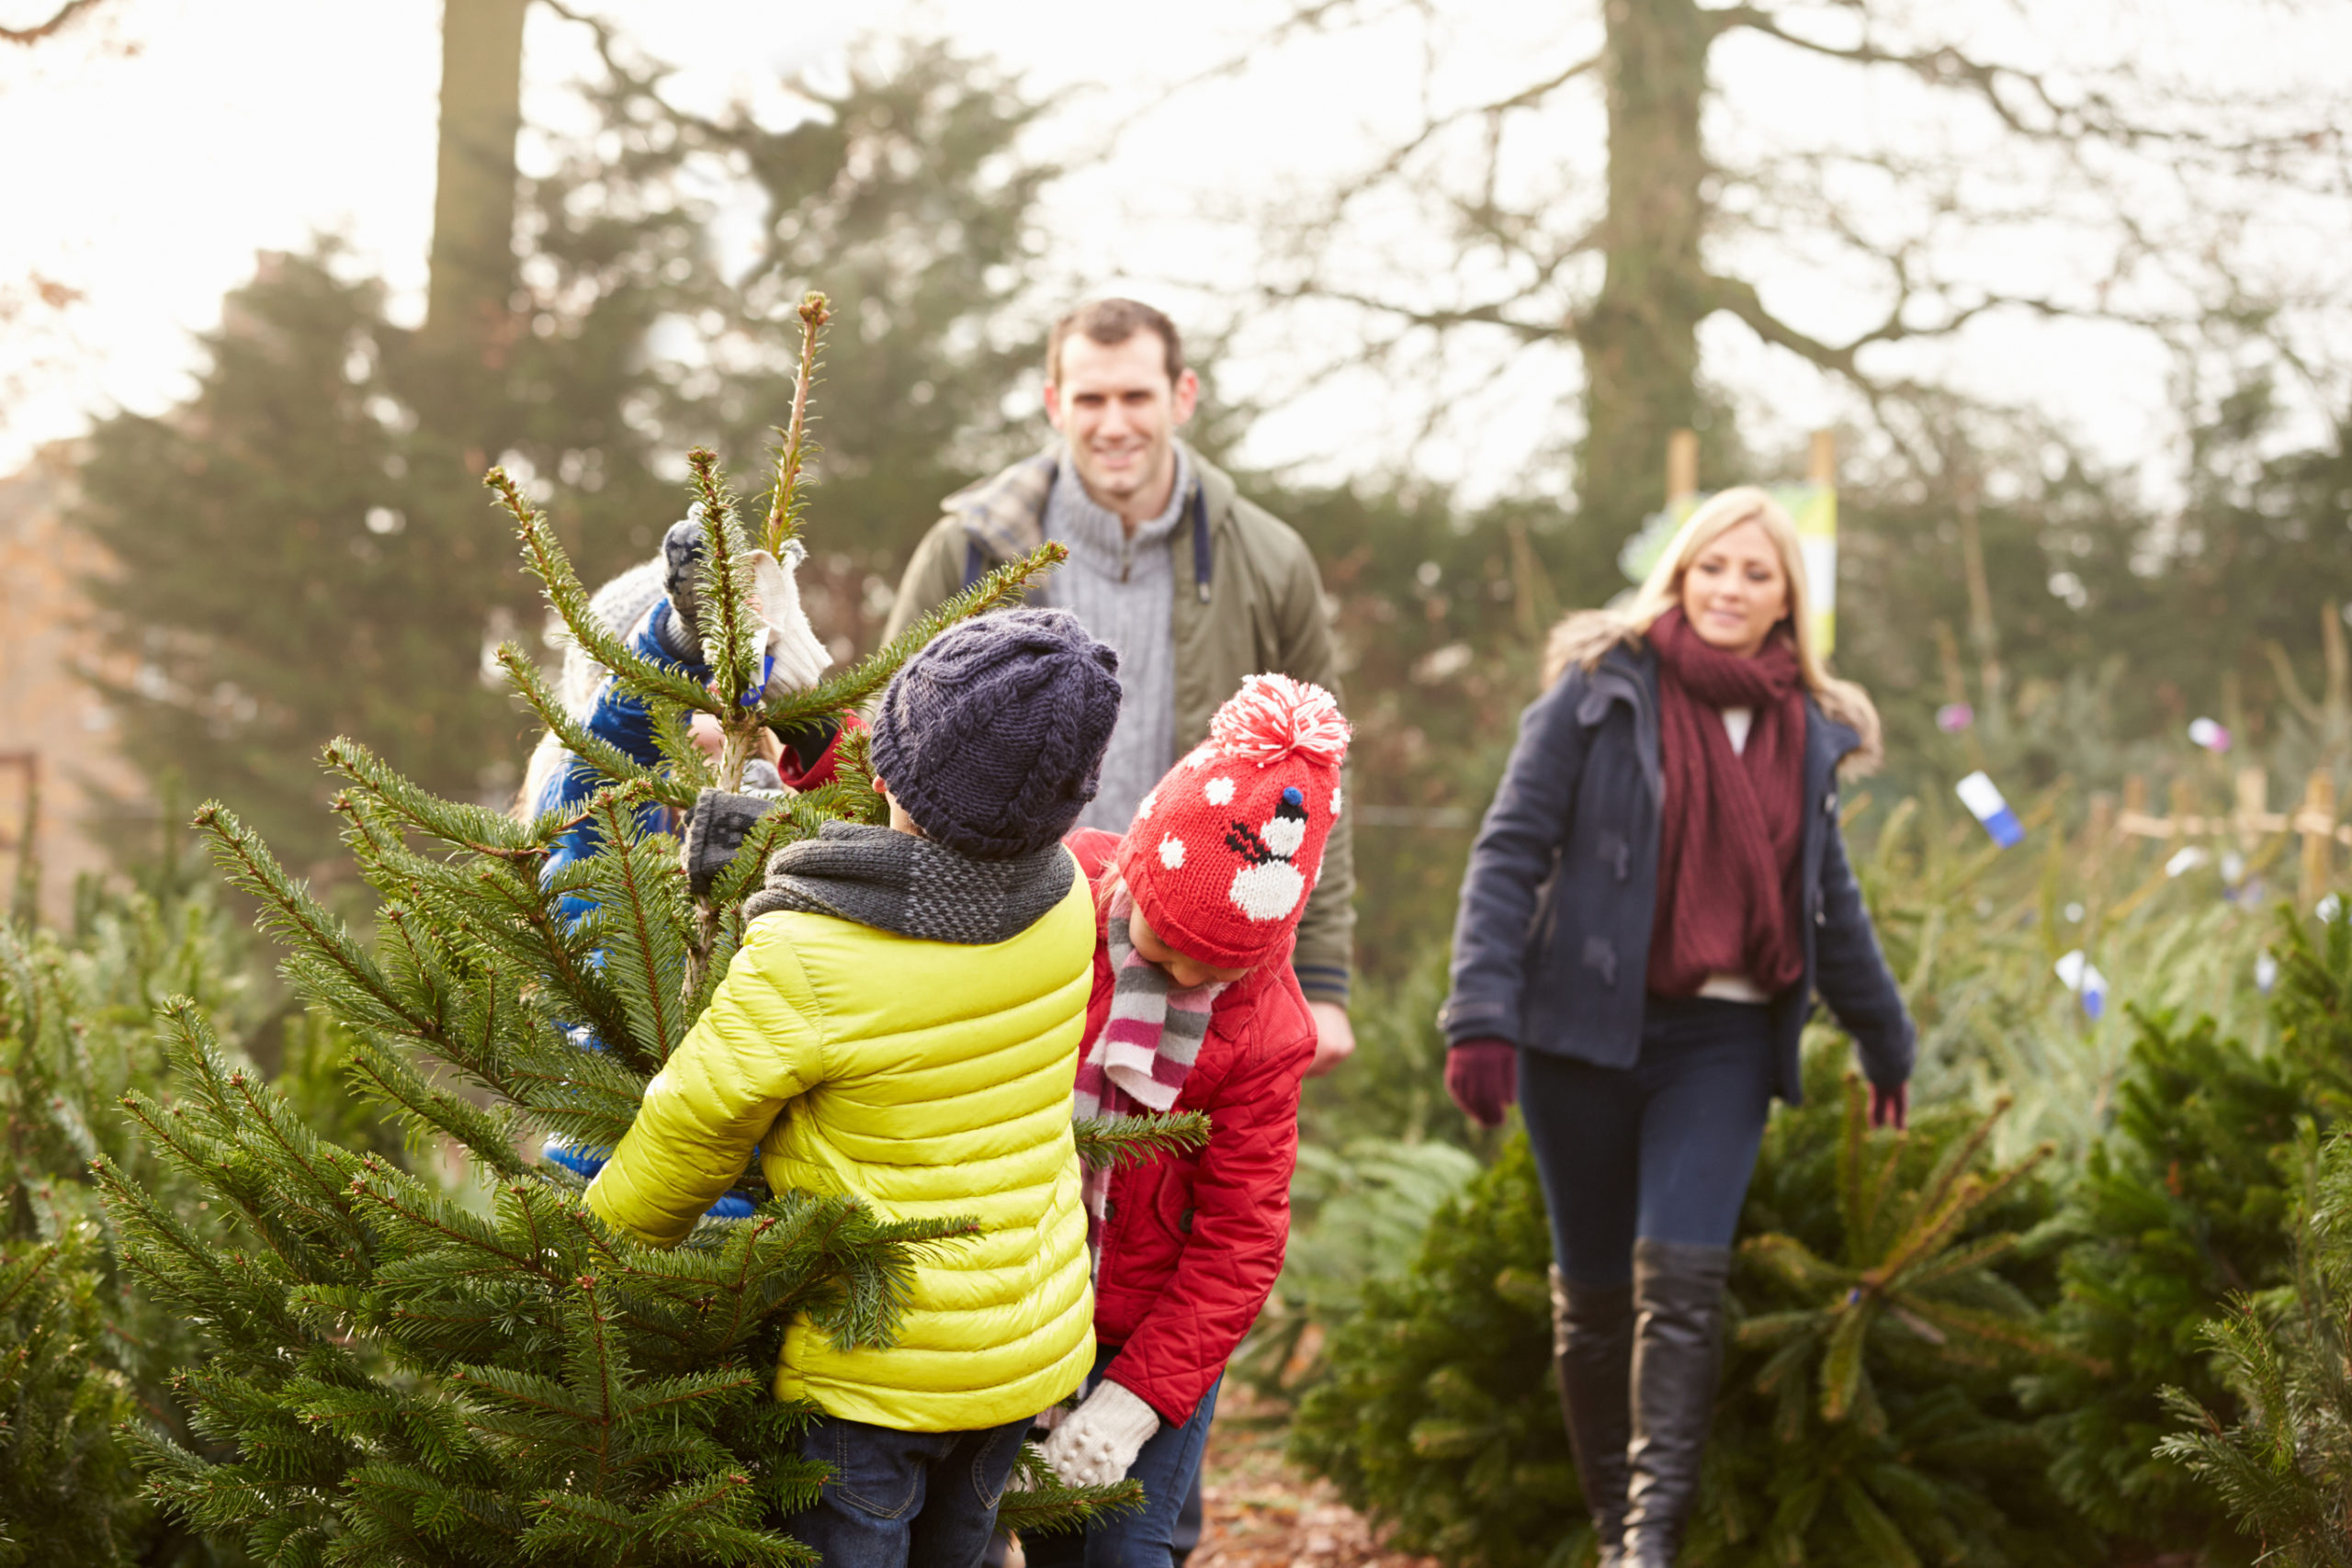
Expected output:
(1193, 1241)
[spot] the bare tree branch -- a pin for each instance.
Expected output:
(2096, 115)
(41, 30)
(1493, 314)
(1304, 17)
(1530, 97)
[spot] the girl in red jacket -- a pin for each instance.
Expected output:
(1195, 1009)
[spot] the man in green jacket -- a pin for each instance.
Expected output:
(1196, 586)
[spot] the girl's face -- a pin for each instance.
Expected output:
(1186, 971)
(1735, 592)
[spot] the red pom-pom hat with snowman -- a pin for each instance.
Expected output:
(1224, 850)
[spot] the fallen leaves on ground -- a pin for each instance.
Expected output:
(1261, 1513)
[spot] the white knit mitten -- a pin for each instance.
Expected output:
(1094, 1446)
(801, 658)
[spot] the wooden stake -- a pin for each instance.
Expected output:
(2098, 832)
(2337, 706)
(2183, 804)
(2316, 822)
(1821, 461)
(2253, 804)
(1681, 465)
(1981, 634)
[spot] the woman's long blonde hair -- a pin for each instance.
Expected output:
(1586, 634)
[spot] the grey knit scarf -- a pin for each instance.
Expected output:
(896, 882)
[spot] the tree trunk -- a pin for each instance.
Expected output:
(473, 202)
(1640, 339)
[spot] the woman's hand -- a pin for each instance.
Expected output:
(1483, 1077)
(1891, 1107)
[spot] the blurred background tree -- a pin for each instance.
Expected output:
(298, 546)
(301, 548)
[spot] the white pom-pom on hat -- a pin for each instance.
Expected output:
(1274, 717)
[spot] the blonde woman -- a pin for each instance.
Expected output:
(1659, 891)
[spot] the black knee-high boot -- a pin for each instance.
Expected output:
(1678, 1349)
(1592, 1346)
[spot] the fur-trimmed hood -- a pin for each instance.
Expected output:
(1584, 636)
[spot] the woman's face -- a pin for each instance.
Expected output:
(1735, 592)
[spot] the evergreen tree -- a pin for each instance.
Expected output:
(81, 1348)
(1885, 1291)
(2189, 1205)
(909, 193)
(396, 1372)
(2283, 1466)
(63, 1479)
(297, 547)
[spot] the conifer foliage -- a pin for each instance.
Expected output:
(2188, 1204)
(81, 1348)
(2283, 1468)
(1886, 1292)
(399, 1370)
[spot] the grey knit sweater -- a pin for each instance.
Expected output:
(1121, 589)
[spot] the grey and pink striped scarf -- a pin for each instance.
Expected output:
(1147, 1048)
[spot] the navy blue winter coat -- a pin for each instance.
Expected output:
(1552, 943)
(621, 719)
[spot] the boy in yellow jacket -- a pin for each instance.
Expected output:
(902, 1023)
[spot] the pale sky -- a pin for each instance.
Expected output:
(150, 151)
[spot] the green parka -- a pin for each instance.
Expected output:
(1262, 609)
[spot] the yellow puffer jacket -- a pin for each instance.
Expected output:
(930, 1079)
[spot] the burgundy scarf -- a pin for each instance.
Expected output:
(1729, 827)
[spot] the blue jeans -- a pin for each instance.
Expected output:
(905, 1499)
(1661, 1150)
(1168, 1466)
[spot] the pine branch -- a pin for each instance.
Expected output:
(557, 953)
(461, 826)
(784, 501)
(1935, 1191)
(425, 1226)
(588, 1097)
(853, 688)
(394, 1083)
(1036, 1501)
(726, 621)
(854, 776)
(642, 901)
(324, 952)
(545, 557)
(247, 1115)
(1139, 1140)
(583, 743)
(685, 766)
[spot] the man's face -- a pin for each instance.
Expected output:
(1115, 405)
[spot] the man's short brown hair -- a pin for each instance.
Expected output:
(1112, 321)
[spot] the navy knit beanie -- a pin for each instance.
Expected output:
(993, 736)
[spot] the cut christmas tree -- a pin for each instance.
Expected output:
(402, 1371)
(81, 1348)
(1883, 1298)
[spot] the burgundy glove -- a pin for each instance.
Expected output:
(1891, 1107)
(1483, 1077)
